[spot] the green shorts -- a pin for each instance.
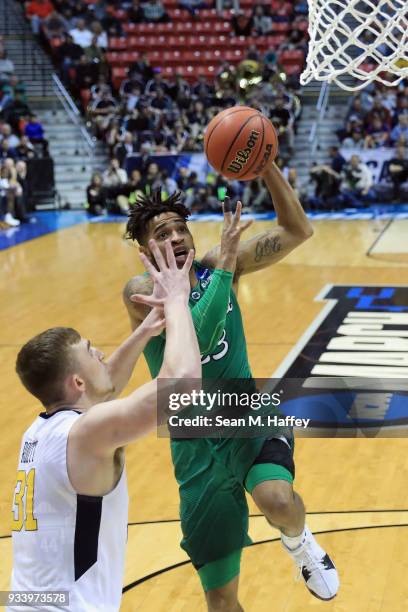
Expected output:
(212, 476)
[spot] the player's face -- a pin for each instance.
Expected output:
(170, 226)
(93, 370)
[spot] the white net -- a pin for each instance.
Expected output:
(364, 39)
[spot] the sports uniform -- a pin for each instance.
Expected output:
(63, 541)
(212, 473)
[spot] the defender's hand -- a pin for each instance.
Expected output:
(170, 282)
(231, 235)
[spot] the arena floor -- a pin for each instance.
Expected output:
(354, 489)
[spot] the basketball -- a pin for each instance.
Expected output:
(239, 142)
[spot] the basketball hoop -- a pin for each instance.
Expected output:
(359, 38)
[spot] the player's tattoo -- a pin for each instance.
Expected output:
(267, 246)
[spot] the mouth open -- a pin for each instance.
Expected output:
(180, 255)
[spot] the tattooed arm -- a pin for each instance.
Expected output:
(293, 228)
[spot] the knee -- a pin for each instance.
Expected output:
(275, 499)
(220, 601)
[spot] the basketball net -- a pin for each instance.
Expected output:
(360, 38)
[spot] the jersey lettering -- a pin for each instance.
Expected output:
(23, 502)
(222, 342)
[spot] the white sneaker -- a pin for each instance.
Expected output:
(316, 567)
(10, 220)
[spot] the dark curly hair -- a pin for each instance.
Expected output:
(146, 208)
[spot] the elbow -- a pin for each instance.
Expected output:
(308, 232)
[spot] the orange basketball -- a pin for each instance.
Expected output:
(239, 142)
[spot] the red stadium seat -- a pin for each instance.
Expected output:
(281, 27)
(118, 74)
(118, 43)
(293, 68)
(292, 56)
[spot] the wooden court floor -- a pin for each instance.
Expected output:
(355, 490)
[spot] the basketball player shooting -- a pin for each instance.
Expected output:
(214, 518)
(70, 508)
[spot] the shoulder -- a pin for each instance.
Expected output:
(137, 284)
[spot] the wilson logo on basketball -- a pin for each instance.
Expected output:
(242, 155)
(266, 156)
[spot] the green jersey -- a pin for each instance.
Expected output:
(211, 472)
(229, 359)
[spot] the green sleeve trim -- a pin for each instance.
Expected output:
(210, 312)
(260, 472)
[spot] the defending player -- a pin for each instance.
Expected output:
(70, 506)
(212, 474)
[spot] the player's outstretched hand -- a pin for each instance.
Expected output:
(231, 234)
(170, 282)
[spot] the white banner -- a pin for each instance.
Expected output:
(374, 158)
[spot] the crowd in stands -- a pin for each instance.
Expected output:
(150, 112)
(153, 111)
(21, 139)
(377, 117)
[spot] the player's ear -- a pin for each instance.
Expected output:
(145, 251)
(76, 384)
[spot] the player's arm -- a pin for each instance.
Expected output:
(266, 248)
(122, 361)
(111, 425)
(210, 312)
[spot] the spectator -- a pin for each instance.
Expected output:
(153, 12)
(222, 4)
(153, 177)
(54, 25)
(7, 134)
(15, 110)
(193, 6)
(81, 35)
(69, 53)
(135, 13)
(337, 160)
(377, 134)
(22, 200)
(17, 87)
(35, 133)
(161, 101)
(97, 58)
(38, 11)
(155, 83)
(125, 148)
(101, 36)
(6, 66)
(180, 91)
(378, 110)
(327, 188)
(398, 170)
(203, 90)
(141, 69)
(169, 184)
(103, 111)
(355, 141)
(256, 197)
(25, 150)
(86, 73)
(6, 152)
(132, 98)
(114, 180)
(9, 189)
(95, 195)
(357, 181)
(262, 23)
(283, 121)
(242, 24)
(399, 134)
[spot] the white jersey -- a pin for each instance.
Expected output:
(63, 541)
